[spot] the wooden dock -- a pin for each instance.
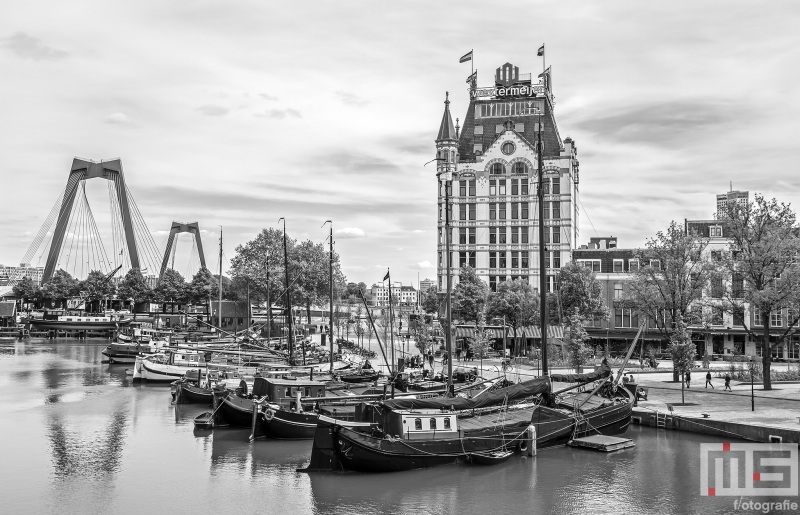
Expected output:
(602, 443)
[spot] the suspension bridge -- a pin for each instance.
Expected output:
(72, 239)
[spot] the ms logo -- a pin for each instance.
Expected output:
(752, 469)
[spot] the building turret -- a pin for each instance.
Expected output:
(446, 141)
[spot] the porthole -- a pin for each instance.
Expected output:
(508, 148)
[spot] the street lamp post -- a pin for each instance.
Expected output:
(752, 387)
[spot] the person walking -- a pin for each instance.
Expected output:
(688, 379)
(430, 359)
(728, 383)
(708, 380)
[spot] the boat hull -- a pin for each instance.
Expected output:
(46, 325)
(288, 425)
(189, 393)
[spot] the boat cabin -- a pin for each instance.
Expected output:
(421, 424)
(285, 389)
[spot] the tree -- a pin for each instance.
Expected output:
(469, 297)
(27, 290)
(172, 288)
(580, 293)
(310, 263)
(682, 350)
(61, 286)
(576, 338)
(134, 287)
(430, 301)
(96, 287)
(515, 300)
(204, 286)
(763, 270)
(261, 261)
(670, 281)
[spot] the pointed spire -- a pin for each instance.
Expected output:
(446, 130)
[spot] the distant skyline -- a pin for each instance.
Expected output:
(237, 114)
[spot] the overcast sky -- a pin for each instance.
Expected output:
(235, 114)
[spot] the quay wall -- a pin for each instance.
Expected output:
(709, 426)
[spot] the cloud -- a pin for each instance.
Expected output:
(663, 122)
(213, 110)
(424, 265)
(350, 99)
(280, 113)
(348, 162)
(118, 119)
(350, 232)
(267, 96)
(29, 47)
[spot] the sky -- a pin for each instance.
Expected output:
(236, 114)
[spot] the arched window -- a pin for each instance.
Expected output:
(498, 169)
(447, 423)
(520, 167)
(453, 156)
(418, 424)
(433, 423)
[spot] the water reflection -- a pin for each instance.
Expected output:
(87, 453)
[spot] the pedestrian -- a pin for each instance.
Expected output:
(458, 354)
(445, 357)
(430, 359)
(728, 382)
(708, 380)
(688, 379)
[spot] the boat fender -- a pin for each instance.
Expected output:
(269, 414)
(523, 445)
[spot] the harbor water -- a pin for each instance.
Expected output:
(77, 436)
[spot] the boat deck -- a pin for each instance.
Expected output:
(508, 418)
(589, 401)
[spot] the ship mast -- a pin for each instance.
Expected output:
(542, 250)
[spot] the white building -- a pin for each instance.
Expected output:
(403, 295)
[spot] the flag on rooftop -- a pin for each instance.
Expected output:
(540, 52)
(466, 57)
(472, 78)
(387, 275)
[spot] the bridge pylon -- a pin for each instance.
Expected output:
(178, 227)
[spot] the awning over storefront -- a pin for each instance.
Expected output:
(468, 331)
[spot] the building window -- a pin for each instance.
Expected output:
(515, 186)
(515, 211)
(757, 318)
(625, 318)
(492, 259)
(523, 235)
(501, 187)
(633, 265)
(593, 264)
(556, 259)
(617, 291)
(514, 235)
(462, 236)
(524, 213)
(737, 286)
(655, 263)
(492, 235)
(776, 318)
(497, 169)
(492, 211)
(738, 317)
(462, 211)
(498, 128)
(508, 148)
(471, 258)
(477, 148)
(519, 127)
(715, 231)
(523, 187)
(520, 167)
(502, 214)
(493, 283)
(493, 187)
(462, 259)
(556, 209)
(501, 260)
(471, 209)
(501, 235)
(618, 265)
(462, 188)
(523, 256)
(478, 130)
(472, 188)
(716, 316)
(556, 235)
(717, 288)
(471, 240)
(556, 189)
(514, 259)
